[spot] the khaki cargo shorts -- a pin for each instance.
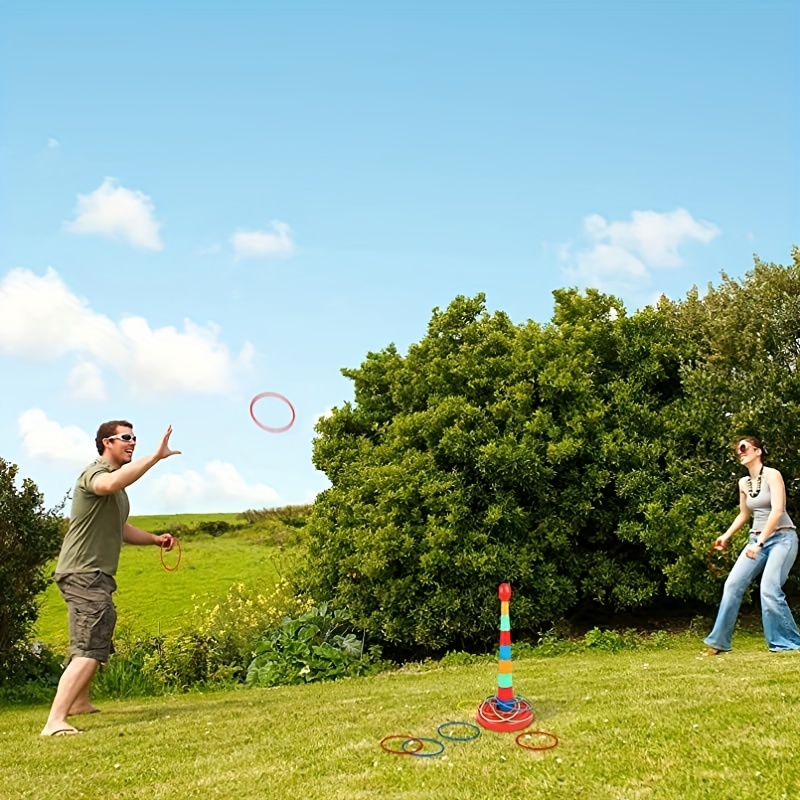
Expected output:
(92, 613)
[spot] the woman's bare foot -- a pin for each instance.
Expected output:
(60, 730)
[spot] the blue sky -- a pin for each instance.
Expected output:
(204, 201)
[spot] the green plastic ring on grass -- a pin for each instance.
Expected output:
(476, 731)
(421, 753)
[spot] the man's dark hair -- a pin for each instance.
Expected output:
(109, 429)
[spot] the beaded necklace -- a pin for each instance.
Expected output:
(758, 483)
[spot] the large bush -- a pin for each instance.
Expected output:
(30, 536)
(586, 461)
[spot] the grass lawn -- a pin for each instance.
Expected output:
(664, 724)
(151, 599)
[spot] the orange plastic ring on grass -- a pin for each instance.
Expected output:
(551, 737)
(419, 744)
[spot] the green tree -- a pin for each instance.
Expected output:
(587, 460)
(30, 537)
(486, 454)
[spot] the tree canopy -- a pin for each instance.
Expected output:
(30, 537)
(587, 460)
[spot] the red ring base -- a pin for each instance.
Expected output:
(488, 717)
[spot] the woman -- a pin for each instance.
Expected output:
(771, 549)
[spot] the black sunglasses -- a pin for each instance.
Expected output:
(126, 437)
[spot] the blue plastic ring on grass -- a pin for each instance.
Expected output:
(422, 753)
(476, 731)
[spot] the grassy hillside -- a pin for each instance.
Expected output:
(151, 599)
(660, 724)
(158, 523)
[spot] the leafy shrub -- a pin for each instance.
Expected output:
(660, 640)
(124, 675)
(292, 516)
(214, 527)
(34, 676)
(551, 645)
(278, 527)
(460, 658)
(216, 647)
(30, 536)
(318, 645)
(612, 641)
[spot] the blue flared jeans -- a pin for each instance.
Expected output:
(774, 560)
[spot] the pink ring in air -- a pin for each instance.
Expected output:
(267, 427)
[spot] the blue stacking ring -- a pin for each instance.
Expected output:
(422, 753)
(476, 731)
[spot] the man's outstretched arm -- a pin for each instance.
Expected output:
(110, 482)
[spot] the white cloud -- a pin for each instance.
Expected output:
(655, 237)
(263, 244)
(220, 488)
(606, 263)
(41, 318)
(624, 253)
(171, 360)
(85, 382)
(47, 440)
(53, 143)
(118, 213)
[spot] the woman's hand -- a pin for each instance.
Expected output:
(753, 549)
(722, 541)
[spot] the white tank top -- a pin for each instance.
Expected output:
(760, 507)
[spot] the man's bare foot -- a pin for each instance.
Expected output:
(60, 730)
(712, 651)
(83, 709)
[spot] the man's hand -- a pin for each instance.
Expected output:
(163, 450)
(166, 540)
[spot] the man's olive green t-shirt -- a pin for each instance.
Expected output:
(94, 537)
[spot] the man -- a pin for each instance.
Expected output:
(88, 562)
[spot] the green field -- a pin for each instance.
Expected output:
(661, 724)
(151, 600)
(655, 721)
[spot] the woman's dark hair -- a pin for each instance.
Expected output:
(109, 429)
(755, 441)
